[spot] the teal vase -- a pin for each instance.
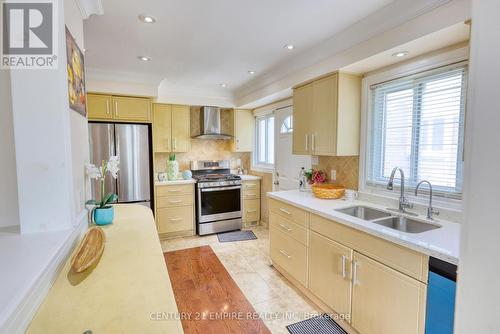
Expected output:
(172, 170)
(104, 216)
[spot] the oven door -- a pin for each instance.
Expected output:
(219, 203)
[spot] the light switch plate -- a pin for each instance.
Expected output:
(333, 175)
(314, 160)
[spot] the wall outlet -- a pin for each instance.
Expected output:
(333, 175)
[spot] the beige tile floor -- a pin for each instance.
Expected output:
(271, 295)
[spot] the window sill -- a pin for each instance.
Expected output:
(262, 169)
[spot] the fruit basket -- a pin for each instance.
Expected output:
(328, 191)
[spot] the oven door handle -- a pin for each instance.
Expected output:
(219, 189)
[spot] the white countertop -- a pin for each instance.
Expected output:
(249, 177)
(442, 243)
(170, 183)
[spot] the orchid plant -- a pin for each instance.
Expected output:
(99, 173)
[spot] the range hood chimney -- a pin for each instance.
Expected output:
(210, 124)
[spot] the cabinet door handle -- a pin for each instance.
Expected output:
(250, 185)
(251, 195)
(174, 191)
(174, 202)
(175, 143)
(355, 273)
(107, 107)
(307, 142)
(313, 142)
(175, 219)
(251, 211)
(285, 211)
(343, 260)
(116, 108)
(285, 254)
(285, 228)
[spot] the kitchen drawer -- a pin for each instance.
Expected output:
(289, 254)
(251, 210)
(176, 189)
(251, 189)
(289, 228)
(400, 258)
(174, 219)
(175, 200)
(290, 212)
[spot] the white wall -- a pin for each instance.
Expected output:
(9, 210)
(78, 124)
(43, 149)
(51, 140)
(478, 298)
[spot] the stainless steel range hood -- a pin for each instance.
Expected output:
(210, 124)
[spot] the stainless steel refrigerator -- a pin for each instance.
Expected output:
(130, 142)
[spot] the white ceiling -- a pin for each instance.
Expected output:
(195, 45)
(454, 34)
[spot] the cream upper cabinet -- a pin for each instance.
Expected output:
(180, 128)
(119, 108)
(171, 130)
(244, 131)
(384, 301)
(327, 116)
(136, 109)
(162, 127)
(99, 106)
(329, 272)
(302, 109)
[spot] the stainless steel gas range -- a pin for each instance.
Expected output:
(219, 201)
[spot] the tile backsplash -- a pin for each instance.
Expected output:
(204, 150)
(347, 169)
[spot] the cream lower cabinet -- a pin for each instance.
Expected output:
(288, 240)
(175, 210)
(330, 273)
(385, 301)
(251, 202)
(376, 285)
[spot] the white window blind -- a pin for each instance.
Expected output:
(417, 124)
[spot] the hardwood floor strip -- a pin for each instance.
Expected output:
(205, 291)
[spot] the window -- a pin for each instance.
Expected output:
(287, 125)
(264, 153)
(417, 124)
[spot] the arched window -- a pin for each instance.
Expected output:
(287, 125)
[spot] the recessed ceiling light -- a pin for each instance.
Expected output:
(144, 58)
(147, 18)
(223, 85)
(251, 72)
(289, 46)
(400, 54)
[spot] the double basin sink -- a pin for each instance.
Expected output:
(400, 223)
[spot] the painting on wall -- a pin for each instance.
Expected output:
(76, 75)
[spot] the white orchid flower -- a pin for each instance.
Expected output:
(93, 172)
(113, 166)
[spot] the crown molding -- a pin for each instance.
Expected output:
(90, 7)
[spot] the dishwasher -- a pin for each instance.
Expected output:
(441, 291)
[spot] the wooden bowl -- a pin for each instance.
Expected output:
(89, 250)
(328, 191)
